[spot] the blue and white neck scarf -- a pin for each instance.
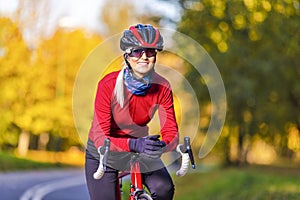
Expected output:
(135, 85)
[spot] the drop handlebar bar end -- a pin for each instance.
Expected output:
(187, 156)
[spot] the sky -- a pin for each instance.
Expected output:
(76, 13)
(86, 13)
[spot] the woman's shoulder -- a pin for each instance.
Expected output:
(160, 80)
(110, 77)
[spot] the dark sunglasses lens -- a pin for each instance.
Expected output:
(139, 52)
(150, 52)
(136, 53)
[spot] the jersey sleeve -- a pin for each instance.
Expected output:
(168, 124)
(101, 125)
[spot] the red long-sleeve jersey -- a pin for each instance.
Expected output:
(120, 124)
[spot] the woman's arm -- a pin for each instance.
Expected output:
(168, 124)
(103, 116)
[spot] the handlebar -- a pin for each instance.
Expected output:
(184, 149)
(103, 152)
(187, 156)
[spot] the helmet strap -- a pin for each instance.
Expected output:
(126, 60)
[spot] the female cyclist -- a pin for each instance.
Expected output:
(125, 103)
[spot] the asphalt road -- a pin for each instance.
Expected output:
(44, 185)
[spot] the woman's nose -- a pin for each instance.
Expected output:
(144, 56)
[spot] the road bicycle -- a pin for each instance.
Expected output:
(136, 185)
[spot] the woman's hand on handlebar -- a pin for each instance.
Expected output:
(149, 146)
(157, 149)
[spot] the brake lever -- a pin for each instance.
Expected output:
(186, 148)
(105, 149)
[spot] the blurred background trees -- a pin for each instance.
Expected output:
(254, 43)
(37, 84)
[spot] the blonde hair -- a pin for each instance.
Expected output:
(119, 87)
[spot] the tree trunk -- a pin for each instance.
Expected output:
(43, 141)
(23, 143)
(241, 160)
(226, 148)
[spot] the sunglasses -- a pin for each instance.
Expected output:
(139, 52)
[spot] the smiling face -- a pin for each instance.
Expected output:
(141, 66)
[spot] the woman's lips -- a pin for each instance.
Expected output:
(143, 63)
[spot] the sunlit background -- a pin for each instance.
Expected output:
(254, 43)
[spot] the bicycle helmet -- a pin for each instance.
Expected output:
(141, 36)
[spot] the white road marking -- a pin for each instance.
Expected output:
(39, 191)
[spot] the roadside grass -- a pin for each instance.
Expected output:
(253, 183)
(236, 183)
(9, 162)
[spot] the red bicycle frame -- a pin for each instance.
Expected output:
(136, 184)
(136, 178)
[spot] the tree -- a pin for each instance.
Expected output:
(61, 57)
(117, 16)
(37, 85)
(15, 64)
(258, 60)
